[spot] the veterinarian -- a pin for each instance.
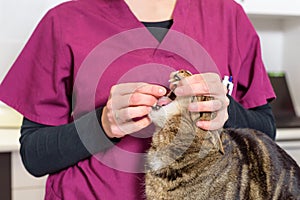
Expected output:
(73, 71)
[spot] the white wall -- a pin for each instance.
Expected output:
(272, 41)
(280, 41)
(18, 19)
(292, 58)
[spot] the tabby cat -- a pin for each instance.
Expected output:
(186, 162)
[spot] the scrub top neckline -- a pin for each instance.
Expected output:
(124, 17)
(121, 15)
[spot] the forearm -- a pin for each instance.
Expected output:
(260, 118)
(46, 149)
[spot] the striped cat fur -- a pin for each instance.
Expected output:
(186, 162)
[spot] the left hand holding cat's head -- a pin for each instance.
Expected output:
(207, 84)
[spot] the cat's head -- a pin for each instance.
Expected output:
(176, 127)
(179, 105)
(163, 112)
(179, 108)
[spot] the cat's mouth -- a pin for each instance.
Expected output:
(170, 96)
(165, 100)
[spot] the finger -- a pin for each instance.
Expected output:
(125, 88)
(119, 130)
(145, 88)
(208, 83)
(217, 123)
(135, 99)
(192, 90)
(201, 78)
(155, 90)
(209, 89)
(206, 106)
(127, 114)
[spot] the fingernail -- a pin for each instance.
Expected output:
(161, 91)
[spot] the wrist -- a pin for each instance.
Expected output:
(104, 122)
(105, 125)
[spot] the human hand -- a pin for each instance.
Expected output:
(128, 107)
(208, 84)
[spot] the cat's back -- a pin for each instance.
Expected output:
(263, 165)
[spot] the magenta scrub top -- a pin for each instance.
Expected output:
(82, 48)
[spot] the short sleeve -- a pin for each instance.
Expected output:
(253, 84)
(38, 84)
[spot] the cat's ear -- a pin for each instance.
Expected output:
(221, 148)
(216, 140)
(211, 143)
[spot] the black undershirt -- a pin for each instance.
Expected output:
(159, 29)
(50, 149)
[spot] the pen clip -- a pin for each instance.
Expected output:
(228, 82)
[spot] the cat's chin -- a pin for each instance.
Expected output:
(160, 116)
